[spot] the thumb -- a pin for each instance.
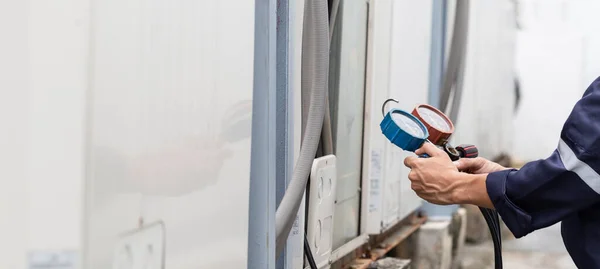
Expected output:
(430, 149)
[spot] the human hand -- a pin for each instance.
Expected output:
(434, 179)
(478, 166)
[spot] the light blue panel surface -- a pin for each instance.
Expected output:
(438, 211)
(261, 230)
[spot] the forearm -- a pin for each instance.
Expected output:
(471, 189)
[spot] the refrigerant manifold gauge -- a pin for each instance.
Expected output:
(403, 129)
(439, 125)
(424, 124)
(440, 128)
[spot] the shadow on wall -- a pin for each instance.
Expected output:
(179, 166)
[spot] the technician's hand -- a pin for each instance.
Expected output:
(434, 179)
(478, 166)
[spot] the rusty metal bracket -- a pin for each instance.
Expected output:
(412, 224)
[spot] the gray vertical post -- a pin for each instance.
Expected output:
(284, 118)
(261, 225)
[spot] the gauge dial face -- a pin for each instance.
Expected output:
(408, 124)
(434, 119)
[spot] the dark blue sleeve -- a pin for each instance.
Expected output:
(544, 192)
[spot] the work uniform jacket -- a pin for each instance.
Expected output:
(564, 187)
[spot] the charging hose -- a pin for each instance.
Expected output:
(491, 218)
(490, 215)
(315, 69)
(309, 255)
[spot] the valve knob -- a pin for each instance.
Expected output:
(467, 151)
(452, 152)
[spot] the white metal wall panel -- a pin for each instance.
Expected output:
(348, 100)
(409, 78)
(379, 27)
(59, 49)
(14, 93)
(43, 81)
(398, 67)
(170, 125)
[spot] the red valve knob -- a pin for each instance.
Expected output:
(467, 151)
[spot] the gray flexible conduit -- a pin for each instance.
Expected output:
(453, 76)
(315, 69)
(334, 11)
(327, 137)
(463, 7)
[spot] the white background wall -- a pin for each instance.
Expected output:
(486, 111)
(557, 58)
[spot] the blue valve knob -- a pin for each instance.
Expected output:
(404, 130)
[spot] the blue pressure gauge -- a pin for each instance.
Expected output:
(403, 129)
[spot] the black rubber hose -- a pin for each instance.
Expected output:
(308, 253)
(489, 215)
(490, 224)
(493, 222)
(495, 238)
(496, 222)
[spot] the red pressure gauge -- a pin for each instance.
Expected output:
(438, 125)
